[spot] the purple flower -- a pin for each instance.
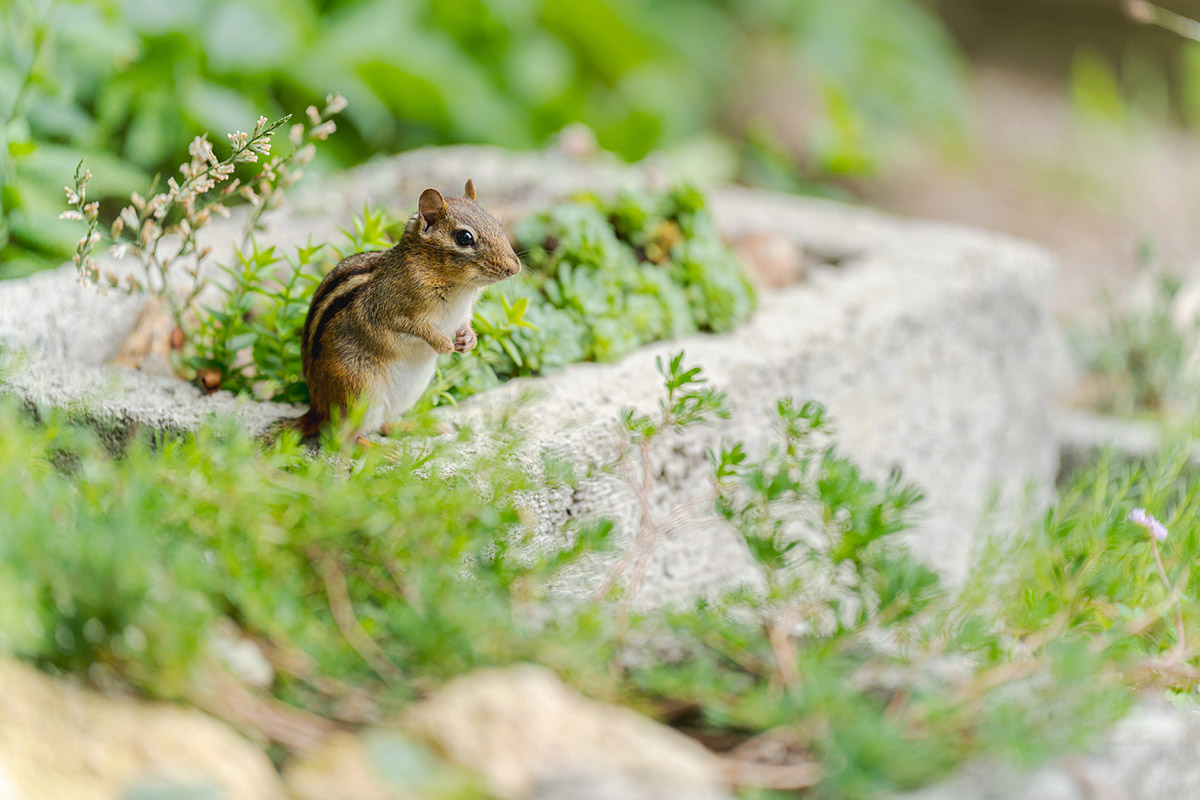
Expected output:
(1139, 516)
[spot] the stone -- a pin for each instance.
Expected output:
(341, 768)
(1151, 754)
(770, 259)
(932, 346)
(58, 740)
(529, 736)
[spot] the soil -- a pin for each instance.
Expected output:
(1098, 197)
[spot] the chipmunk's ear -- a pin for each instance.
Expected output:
(469, 190)
(432, 205)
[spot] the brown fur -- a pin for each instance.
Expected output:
(366, 305)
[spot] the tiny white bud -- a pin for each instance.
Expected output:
(334, 103)
(323, 130)
(314, 118)
(296, 134)
(70, 215)
(305, 154)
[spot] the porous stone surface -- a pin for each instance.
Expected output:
(932, 346)
(61, 741)
(521, 734)
(1151, 754)
(528, 735)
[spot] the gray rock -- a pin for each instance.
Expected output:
(529, 736)
(1151, 754)
(586, 785)
(932, 346)
(61, 741)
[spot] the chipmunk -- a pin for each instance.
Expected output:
(379, 320)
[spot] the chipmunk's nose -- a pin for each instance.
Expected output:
(514, 266)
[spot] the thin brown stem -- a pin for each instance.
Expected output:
(1180, 637)
(347, 621)
(1150, 14)
(784, 650)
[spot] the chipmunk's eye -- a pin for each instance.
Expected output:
(464, 238)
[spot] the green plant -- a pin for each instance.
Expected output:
(368, 582)
(1141, 357)
(250, 342)
(187, 207)
(603, 278)
(669, 75)
(621, 274)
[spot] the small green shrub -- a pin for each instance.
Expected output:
(186, 206)
(1142, 360)
(601, 279)
(370, 582)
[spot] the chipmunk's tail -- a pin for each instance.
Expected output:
(307, 424)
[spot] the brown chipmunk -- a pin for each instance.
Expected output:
(379, 320)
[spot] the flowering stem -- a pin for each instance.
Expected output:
(1150, 14)
(1180, 642)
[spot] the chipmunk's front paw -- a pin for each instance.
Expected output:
(443, 345)
(464, 339)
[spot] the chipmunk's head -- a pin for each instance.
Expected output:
(472, 244)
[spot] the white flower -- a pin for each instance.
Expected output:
(314, 118)
(334, 103)
(201, 150)
(323, 130)
(130, 216)
(305, 154)
(70, 215)
(1146, 520)
(150, 231)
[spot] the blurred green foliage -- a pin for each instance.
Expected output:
(369, 582)
(128, 82)
(1142, 356)
(1135, 90)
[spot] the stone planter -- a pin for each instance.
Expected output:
(932, 346)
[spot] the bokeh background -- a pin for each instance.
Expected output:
(1067, 121)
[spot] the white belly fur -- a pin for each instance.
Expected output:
(406, 377)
